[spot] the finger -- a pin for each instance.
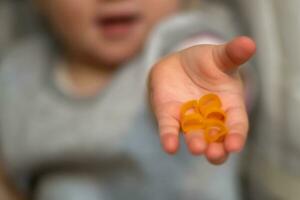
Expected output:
(168, 122)
(238, 129)
(230, 56)
(234, 143)
(170, 142)
(221, 161)
(216, 153)
(196, 142)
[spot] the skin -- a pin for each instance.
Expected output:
(73, 22)
(8, 190)
(196, 71)
(90, 56)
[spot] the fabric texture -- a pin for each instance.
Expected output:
(109, 141)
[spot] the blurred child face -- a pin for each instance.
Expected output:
(106, 31)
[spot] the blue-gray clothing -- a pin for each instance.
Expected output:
(106, 147)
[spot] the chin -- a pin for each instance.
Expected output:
(117, 56)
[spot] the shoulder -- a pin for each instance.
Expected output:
(215, 22)
(24, 62)
(26, 54)
(22, 69)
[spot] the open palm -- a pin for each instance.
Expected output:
(194, 72)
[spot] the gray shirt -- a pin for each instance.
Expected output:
(106, 147)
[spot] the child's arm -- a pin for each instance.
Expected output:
(191, 73)
(7, 190)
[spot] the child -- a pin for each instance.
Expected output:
(74, 116)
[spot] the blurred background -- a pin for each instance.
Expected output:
(275, 26)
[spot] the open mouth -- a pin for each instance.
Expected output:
(117, 25)
(118, 20)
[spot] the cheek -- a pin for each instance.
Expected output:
(69, 18)
(162, 8)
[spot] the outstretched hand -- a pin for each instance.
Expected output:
(191, 73)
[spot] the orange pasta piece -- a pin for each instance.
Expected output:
(215, 131)
(188, 108)
(209, 100)
(214, 113)
(192, 122)
(205, 114)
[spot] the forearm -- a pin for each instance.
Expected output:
(7, 189)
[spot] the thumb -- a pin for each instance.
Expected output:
(230, 56)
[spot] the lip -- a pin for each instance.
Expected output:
(117, 21)
(122, 8)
